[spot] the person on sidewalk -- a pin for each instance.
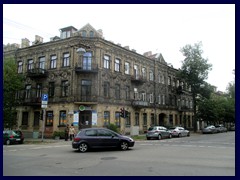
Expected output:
(71, 132)
(66, 132)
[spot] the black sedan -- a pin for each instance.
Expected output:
(100, 138)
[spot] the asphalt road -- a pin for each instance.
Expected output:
(197, 155)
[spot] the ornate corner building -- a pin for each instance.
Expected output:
(89, 80)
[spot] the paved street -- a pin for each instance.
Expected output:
(197, 155)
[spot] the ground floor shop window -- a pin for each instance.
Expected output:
(106, 118)
(62, 118)
(49, 118)
(117, 119)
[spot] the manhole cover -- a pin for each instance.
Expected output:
(108, 158)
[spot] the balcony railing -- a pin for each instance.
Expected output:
(37, 73)
(93, 68)
(137, 79)
(140, 104)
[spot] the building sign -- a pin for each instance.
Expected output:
(94, 118)
(75, 118)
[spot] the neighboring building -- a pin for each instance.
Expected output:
(89, 79)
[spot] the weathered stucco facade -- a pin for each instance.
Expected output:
(82, 70)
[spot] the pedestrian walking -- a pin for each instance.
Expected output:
(66, 132)
(71, 132)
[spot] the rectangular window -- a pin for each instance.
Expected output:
(51, 89)
(20, 67)
(136, 119)
(86, 90)
(27, 91)
(87, 61)
(136, 73)
(64, 87)
(151, 78)
(62, 118)
(169, 80)
(151, 98)
(49, 118)
(53, 62)
(163, 99)
(39, 90)
(128, 120)
(66, 60)
(42, 63)
(127, 68)
(30, 65)
(106, 62)
(106, 118)
(117, 65)
(117, 91)
(144, 74)
(117, 119)
(144, 96)
(106, 88)
(159, 99)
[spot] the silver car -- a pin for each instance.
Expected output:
(158, 132)
(220, 128)
(179, 131)
(209, 130)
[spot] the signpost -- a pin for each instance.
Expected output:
(44, 106)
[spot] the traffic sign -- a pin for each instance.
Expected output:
(44, 97)
(44, 106)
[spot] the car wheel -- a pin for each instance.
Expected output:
(170, 136)
(148, 138)
(83, 147)
(159, 137)
(8, 142)
(124, 145)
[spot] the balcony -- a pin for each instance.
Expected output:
(35, 101)
(139, 104)
(37, 73)
(137, 79)
(83, 69)
(86, 100)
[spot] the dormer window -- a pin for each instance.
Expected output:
(84, 33)
(91, 34)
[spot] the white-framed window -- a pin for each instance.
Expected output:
(159, 99)
(163, 79)
(163, 99)
(144, 74)
(53, 62)
(136, 73)
(151, 98)
(144, 96)
(117, 65)
(127, 68)
(151, 75)
(106, 62)
(169, 80)
(42, 62)
(20, 66)
(66, 59)
(30, 65)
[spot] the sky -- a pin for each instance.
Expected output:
(160, 28)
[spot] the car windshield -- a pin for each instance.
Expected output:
(152, 128)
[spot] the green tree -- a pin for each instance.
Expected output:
(12, 82)
(194, 71)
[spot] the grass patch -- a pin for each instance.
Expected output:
(139, 137)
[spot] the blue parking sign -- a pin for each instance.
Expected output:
(45, 97)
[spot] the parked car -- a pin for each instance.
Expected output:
(209, 130)
(100, 138)
(179, 131)
(158, 132)
(12, 137)
(220, 128)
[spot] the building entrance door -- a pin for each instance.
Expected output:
(85, 119)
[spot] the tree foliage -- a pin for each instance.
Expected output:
(12, 82)
(194, 71)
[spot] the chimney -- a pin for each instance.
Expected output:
(126, 47)
(38, 39)
(147, 54)
(25, 43)
(133, 50)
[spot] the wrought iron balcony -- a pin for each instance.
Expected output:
(80, 68)
(137, 79)
(37, 73)
(139, 104)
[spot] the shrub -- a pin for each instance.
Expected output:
(113, 127)
(60, 134)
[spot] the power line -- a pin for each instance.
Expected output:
(24, 27)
